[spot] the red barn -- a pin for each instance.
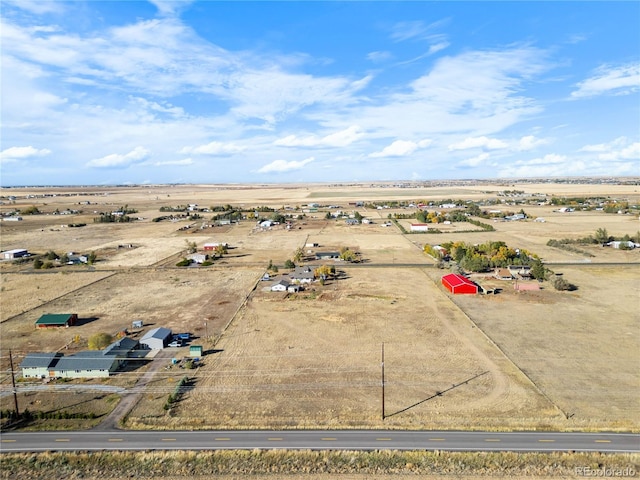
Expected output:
(458, 284)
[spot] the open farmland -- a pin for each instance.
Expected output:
(546, 360)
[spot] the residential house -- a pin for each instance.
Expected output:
(39, 365)
(302, 274)
(503, 274)
(281, 286)
(327, 255)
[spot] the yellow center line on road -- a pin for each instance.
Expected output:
(491, 439)
(328, 439)
(383, 439)
(222, 439)
(115, 439)
(8, 441)
(436, 439)
(62, 440)
(168, 439)
(544, 440)
(274, 439)
(603, 441)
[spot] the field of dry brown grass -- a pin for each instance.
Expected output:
(544, 360)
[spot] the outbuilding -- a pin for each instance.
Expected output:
(57, 320)
(156, 339)
(15, 253)
(458, 284)
(419, 227)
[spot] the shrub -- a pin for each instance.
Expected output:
(185, 262)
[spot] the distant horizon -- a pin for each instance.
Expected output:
(633, 179)
(182, 92)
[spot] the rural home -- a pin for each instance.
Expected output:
(458, 284)
(503, 274)
(520, 271)
(15, 253)
(57, 320)
(156, 339)
(419, 227)
(197, 257)
(85, 364)
(352, 221)
(302, 275)
(38, 365)
(281, 286)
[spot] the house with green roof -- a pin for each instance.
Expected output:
(57, 320)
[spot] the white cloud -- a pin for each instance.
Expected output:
(630, 152)
(214, 148)
(437, 47)
(186, 161)
(170, 7)
(475, 161)
(551, 165)
(605, 147)
(38, 7)
(337, 139)
(379, 56)
(19, 153)
(621, 80)
(478, 142)
(400, 148)
(530, 142)
(117, 160)
(280, 166)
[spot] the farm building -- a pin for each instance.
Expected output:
(457, 284)
(212, 246)
(57, 320)
(419, 227)
(156, 339)
(15, 253)
(327, 255)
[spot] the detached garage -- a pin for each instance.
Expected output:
(156, 339)
(458, 284)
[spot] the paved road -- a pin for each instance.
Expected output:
(319, 440)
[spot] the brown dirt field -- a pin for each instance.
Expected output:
(313, 359)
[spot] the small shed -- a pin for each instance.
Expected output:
(57, 320)
(327, 255)
(457, 284)
(156, 339)
(137, 324)
(195, 351)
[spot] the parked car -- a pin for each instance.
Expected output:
(176, 343)
(184, 336)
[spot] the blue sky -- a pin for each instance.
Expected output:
(264, 92)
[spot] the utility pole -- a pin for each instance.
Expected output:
(13, 384)
(383, 381)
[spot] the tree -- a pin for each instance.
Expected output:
(289, 264)
(602, 236)
(221, 249)
(348, 255)
(538, 270)
(298, 256)
(37, 264)
(325, 271)
(100, 341)
(191, 247)
(91, 258)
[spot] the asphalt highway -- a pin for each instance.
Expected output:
(319, 440)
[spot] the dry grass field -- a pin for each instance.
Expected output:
(544, 360)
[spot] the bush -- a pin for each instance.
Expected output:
(562, 285)
(185, 262)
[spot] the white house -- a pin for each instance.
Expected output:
(281, 286)
(156, 339)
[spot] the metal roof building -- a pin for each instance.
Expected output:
(156, 339)
(458, 284)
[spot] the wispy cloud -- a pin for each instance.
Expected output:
(337, 139)
(117, 160)
(475, 161)
(184, 162)
(213, 148)
(381, 56)
(618, 80)
(401, 148)
(479, 142)
(281, 166)
(619, 149)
